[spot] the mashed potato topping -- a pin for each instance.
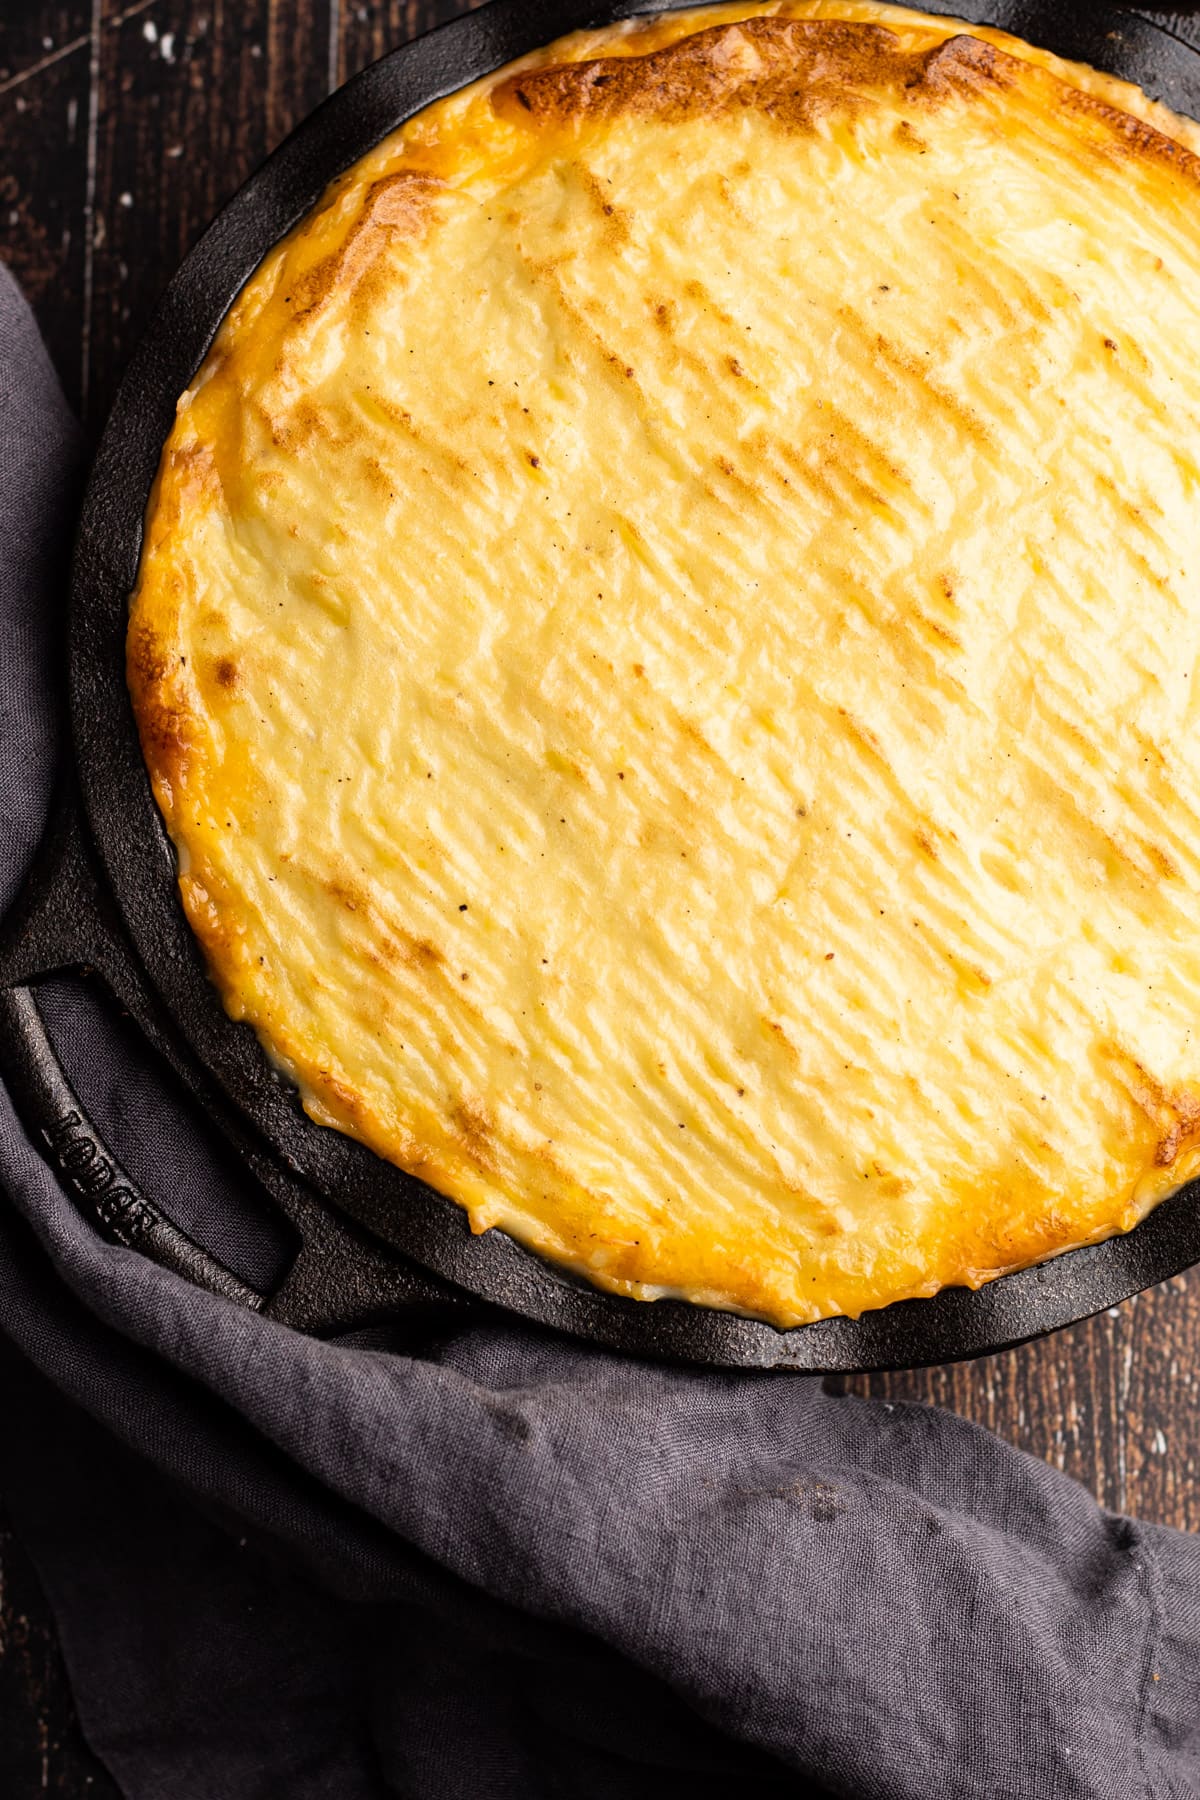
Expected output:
(667, 645)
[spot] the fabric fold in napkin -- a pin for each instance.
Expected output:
(473, 1559)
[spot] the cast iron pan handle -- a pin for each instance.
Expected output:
(55, 1119)
(64, 921)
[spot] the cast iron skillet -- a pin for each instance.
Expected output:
(103, 897)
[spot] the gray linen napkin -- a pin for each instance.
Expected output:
(482, 1561)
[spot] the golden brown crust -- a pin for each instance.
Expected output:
(792, 71)
(397, 205)
(1131, 138)
(796, 72)
(161, 722)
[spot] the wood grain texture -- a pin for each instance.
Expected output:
(44, 110)
(1113, 1401)
(41, 1749)
(369, 32)
(123, 128)
(189, 100)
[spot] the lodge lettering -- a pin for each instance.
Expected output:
(80, 1160)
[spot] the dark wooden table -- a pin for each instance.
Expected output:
(123, 128)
